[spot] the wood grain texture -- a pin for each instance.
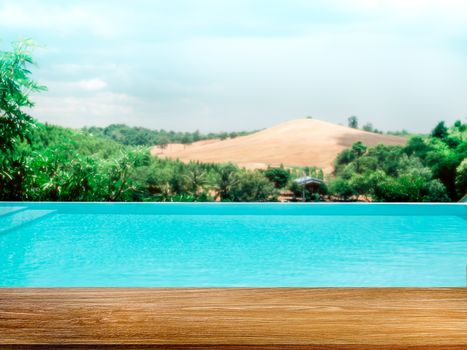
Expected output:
(276, 318)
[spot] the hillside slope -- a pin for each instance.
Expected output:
(301, 142)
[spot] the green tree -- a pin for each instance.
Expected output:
(353, 122)
(187, 139)
(358, 149)
(362, 185)
(163, 142)
(461, 179)
(118, 174)
(412, 185)
(226, 178)
(252, 187)
(197, 136)
(368, 127)
(278, 176)
(341, 188)
(197, 179)
(16, 86)
(417, 146)
(440, 131)
(57, 177)
(342, 159)
(443, 161)
(424, 170)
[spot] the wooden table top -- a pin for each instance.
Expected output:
(271, 318)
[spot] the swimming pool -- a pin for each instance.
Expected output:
(232, 245)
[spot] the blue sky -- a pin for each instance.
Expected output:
(238, 65)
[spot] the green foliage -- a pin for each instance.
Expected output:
(278, 176)
(402, 133)
(15, 87)
(63, 164)
(196, 178)
(417, 146)
(15, 124)
(54, 179)
(424, 170)
(414, 183)
(252, 186)
(342, 159)
(358, 149)
(163, 142)
(341, 188)
(45, 136)
(226, 179)
(440, 131)
(461, 179)
(368, 127)
(66, 165)
(118, 174)
(353, 122)
(137, 136)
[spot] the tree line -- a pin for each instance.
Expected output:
(60, 164)
(427, 169)
(138, 136)
(353, 123)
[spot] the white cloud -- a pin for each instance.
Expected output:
(78, 87)
(91, 84)
(99, 109)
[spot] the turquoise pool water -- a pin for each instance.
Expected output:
(232, 245)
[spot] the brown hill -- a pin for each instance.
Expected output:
(301, 142)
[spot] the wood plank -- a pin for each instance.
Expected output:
(279, 318)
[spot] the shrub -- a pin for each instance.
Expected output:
(278, 176)
(252, 187)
